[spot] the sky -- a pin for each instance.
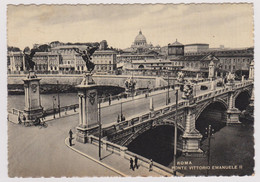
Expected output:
(230, 25)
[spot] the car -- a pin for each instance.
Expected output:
(203, 87)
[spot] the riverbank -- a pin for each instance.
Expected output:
(18, 89)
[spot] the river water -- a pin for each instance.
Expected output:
(230, 145)
(17, 101)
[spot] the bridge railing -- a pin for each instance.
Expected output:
(164, 109)
(127, 95)
(221, 91)
(146, 163)
(113, 128)
(123, 152)
(109, 146)
(16, 112)
(52, 111)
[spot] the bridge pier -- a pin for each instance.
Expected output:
(191, 137)
(232, 113)
(33, 108)
(88, 109)
(252, 99)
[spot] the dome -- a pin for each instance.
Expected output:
(140, 37)
(176, 43)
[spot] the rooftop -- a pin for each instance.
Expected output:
(176, 43)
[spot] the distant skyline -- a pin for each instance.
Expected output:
(230, 25)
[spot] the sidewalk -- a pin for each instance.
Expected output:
(129, 99)
(105, 104)
(110, 160)
(63, 114)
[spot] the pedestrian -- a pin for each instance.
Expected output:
(109, 100)
(122, 117)
(132, 164)
(43, 115)
(136, 162)
(66, 110)
(151, 165)
(70, 141)
(118, 118)
(24, 119)
(19, 120)
(70, 133)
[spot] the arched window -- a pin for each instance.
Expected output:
(82, 67)
(55, 68)
(141, 66)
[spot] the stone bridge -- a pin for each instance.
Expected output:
(221, 103)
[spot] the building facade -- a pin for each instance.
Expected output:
(175, 49)
(231, 60)
(63, 59)
(105, 61)
(195, 48)
(191, 66)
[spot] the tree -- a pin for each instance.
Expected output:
(44, 48)
(13, 49)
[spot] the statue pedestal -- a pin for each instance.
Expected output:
(33, 108)
(88, 108)
(191, 137)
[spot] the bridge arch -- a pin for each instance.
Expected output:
(156, 142)
(144, 129)
(242, 99)
(201, 109)
(212, 113)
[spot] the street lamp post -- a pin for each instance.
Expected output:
(100, 129)
(58, 97)
(175, 135)
(194, 88)
(121, 108)
(209, 132)
(168, 100)
(53, 105)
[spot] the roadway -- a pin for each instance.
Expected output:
(34, 152)
(141, 105)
